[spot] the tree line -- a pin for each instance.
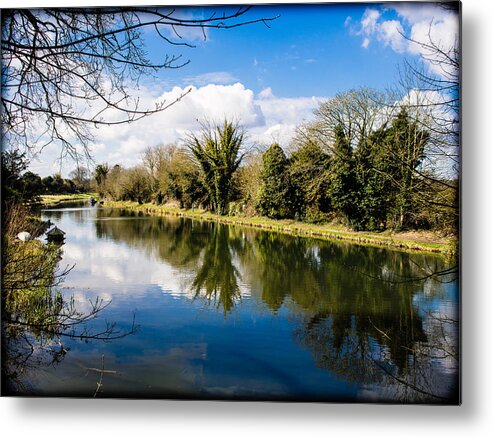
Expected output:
(361, 162)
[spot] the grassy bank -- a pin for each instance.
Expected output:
(50, 200)
(409, 241)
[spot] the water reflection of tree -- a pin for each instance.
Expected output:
(177, 241)
(354, 316)
(358, 325)
(217, 277)
(205, 248)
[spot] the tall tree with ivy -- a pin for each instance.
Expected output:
(218, 152)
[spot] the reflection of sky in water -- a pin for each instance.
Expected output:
(121, 268)
(185, 346)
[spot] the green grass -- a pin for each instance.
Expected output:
(415, 241)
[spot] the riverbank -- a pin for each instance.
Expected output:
(416, 241)
(51, 200)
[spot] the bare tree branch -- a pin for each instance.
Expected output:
(67, 70)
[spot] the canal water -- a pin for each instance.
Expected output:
(229, 312)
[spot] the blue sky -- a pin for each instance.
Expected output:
(268, 79)
(308, 50)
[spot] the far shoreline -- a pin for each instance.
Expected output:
(412, 241)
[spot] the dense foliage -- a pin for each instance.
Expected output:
(364, 169)
(367, 179)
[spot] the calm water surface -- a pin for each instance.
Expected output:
(227, 312)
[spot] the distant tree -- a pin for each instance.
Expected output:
(47, 184)
(357, 112)
(100, 174)
(375, 195)
(113, 189)
(132, 184)
(57, 183)
(276, 197)
(151, 158)
(174, 175)
(68, 186)
(81, 177)
(32, 186)
(218, 152)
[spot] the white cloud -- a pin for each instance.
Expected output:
(266, 93)
(265, 116)
(390, 33)
(369, 21)
(282, 116)
(418, 12)
(419, 22)
(443, 32)
(216, 77)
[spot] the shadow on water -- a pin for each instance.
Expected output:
(359, 310)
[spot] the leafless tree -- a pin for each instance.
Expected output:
(357, 111)
(67, 70)
(432, 92)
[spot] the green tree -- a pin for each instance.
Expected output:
(81, 177)
(13, 164)
(217, 150)
(372, 166)
(406, 143)
(135, 185)
(276, 197)
(32, 186)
